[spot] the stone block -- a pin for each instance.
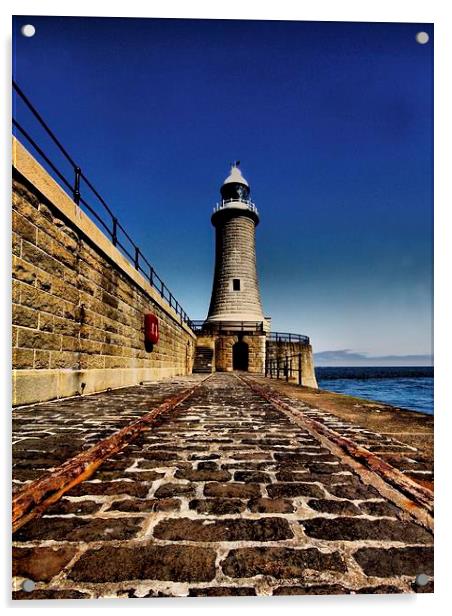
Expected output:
(23, 227)
(280, 562)
(25, 317)
(22, 358)
(389, 562)
(40, 300)
(32, 339)
(24, 271)
(41, 564)
(239, 529)
(41, 259)
(177, 563)
(353, 529)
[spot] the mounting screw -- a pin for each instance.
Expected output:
(28, 585)
(28, 30)
(421, 579)
(422, 38)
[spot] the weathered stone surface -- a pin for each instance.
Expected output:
(222, 591)
(239, 529)
(251, 477)
(338, 507)
(351, 529)
(271, 505)
(49, 594)
(381, 562)
(380, 508)
(217, 506)
(279, 562)
(203, 475)
(383, 589)
(319, 589)
(79, 529)
(41, 564)
(232, 490)
(281, 490)
(353, 491)
(174, 489)
(132, 505)
(289, 459)
(150, 562)
(65, 506)
(111, 487)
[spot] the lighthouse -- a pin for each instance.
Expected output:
(235, 291)
(236, 335)
(233, 335)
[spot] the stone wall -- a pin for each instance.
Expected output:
(78, 304)
(235, 258)
(256, 352)
(280, 350)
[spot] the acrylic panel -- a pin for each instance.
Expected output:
(222, 308)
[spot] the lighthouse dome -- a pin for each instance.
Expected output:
(235, 176)
(235, 187)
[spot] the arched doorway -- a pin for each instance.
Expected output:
(240, 356)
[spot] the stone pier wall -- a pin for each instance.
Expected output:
(78, 304)
(281, 350)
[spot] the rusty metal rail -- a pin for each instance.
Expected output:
(417, 499)
(35, 497)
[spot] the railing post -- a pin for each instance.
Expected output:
(114, 232)
(277, 367)
(76, 192)
(151, 275)
(286, 368)
(137, 257)
(299, 369)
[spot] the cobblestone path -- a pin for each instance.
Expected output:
(227, 495)
(47, 434)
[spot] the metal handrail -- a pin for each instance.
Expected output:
(287, 337)
(115, 229)
(286, 367)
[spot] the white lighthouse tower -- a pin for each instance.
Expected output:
(235, 291)
(236, 334)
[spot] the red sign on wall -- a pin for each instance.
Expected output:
(151, 329)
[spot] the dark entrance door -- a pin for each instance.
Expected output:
(240, 356)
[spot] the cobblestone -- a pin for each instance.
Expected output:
(226, 495)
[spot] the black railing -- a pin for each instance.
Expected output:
(286, 337)
(217, 327)
(289, 367)
(114, 229)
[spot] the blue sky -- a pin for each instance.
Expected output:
(333, 125)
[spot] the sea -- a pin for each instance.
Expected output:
(409, 388)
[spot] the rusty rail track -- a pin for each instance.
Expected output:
(35, 497)
(417, 499)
